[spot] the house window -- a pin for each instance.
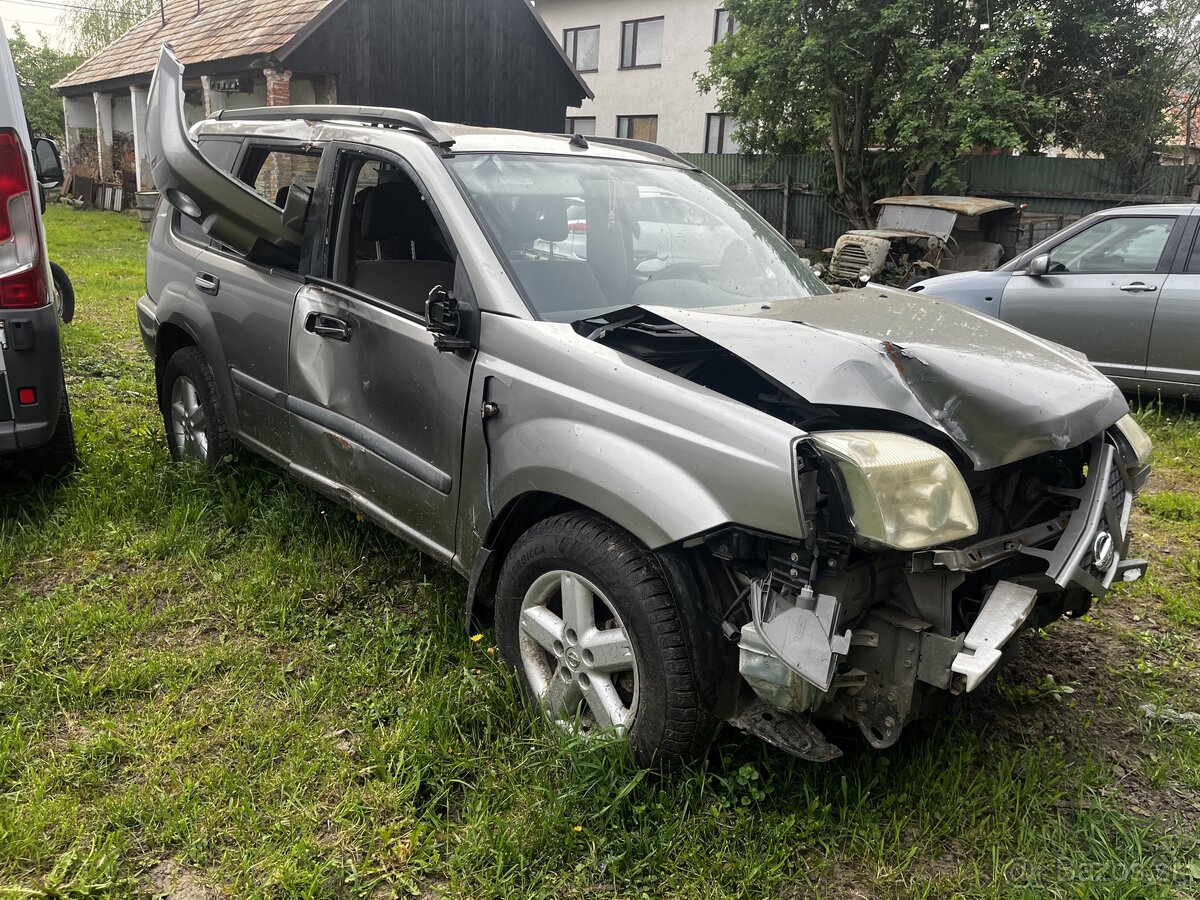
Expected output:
(585, 125)
(718, 134)
(725, 26)
(582, 46)
(641, 43)
(639, 128)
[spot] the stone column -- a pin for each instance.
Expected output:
(104, 133)
(279, 86)
(78, 114)
(214, 101)
(141, 153)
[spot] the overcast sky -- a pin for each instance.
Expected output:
(34, 16)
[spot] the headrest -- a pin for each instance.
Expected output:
(540, 218)
(395, 209)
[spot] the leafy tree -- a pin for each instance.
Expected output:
(94, 25)
(1108, 69)
(39, 66)
(928, 80)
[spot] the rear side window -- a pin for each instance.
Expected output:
(270, 171)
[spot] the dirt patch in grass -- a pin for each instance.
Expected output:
(1100, 714)
(170, 880)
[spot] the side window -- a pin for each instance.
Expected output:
(270, 171)
(388, 243)
(1121, 244)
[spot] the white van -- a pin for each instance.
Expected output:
(36, 436)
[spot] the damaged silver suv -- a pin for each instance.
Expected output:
(693, 487)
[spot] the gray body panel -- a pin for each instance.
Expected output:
(1174, 353)
(664, 458)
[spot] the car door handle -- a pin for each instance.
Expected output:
(326, 326)
(1138, 287)
(207, 284)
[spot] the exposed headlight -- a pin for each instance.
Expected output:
(1138, 440)
(903, 492)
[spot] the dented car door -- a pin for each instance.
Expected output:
(377, 409)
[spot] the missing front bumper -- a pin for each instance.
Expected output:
(1089, 543)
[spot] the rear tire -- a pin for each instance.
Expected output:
(192, 412)
(584, 615)
(64, 293)
(59, 458)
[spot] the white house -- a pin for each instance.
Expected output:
(640, 59)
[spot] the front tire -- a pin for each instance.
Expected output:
(584, 615)
(192, 412)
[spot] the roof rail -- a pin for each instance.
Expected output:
(371, 115)
(644, 146)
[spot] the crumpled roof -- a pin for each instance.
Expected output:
(223, 29)
(967, 206)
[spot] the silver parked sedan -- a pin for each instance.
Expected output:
(1122, 286)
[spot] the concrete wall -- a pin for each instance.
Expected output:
(669, 91)
(122, 113)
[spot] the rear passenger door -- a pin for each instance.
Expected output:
(377, 410)
(1175, 339)
(251, 302)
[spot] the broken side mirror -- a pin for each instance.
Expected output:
(444, 319)
(47, 162)
(1039, 266)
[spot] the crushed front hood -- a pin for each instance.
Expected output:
(999, 393)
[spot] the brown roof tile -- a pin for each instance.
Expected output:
(223, 29)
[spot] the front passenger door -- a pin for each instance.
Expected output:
(1099, 294)
(377, 410)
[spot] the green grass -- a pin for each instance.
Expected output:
(232, 674)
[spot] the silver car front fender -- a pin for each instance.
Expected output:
(648, 495)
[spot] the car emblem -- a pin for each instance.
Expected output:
(1104, 551)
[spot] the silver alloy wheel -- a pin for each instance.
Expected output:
(577, 655)
(58, 298)
(189, 425)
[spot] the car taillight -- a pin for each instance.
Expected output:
(22, 274)
(577, 227)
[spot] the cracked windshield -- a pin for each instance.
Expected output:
(585, 236)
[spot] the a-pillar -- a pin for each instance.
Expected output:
(104, 134)
(141, 152)
(214, 101)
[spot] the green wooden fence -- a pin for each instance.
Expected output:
(1066, 187)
